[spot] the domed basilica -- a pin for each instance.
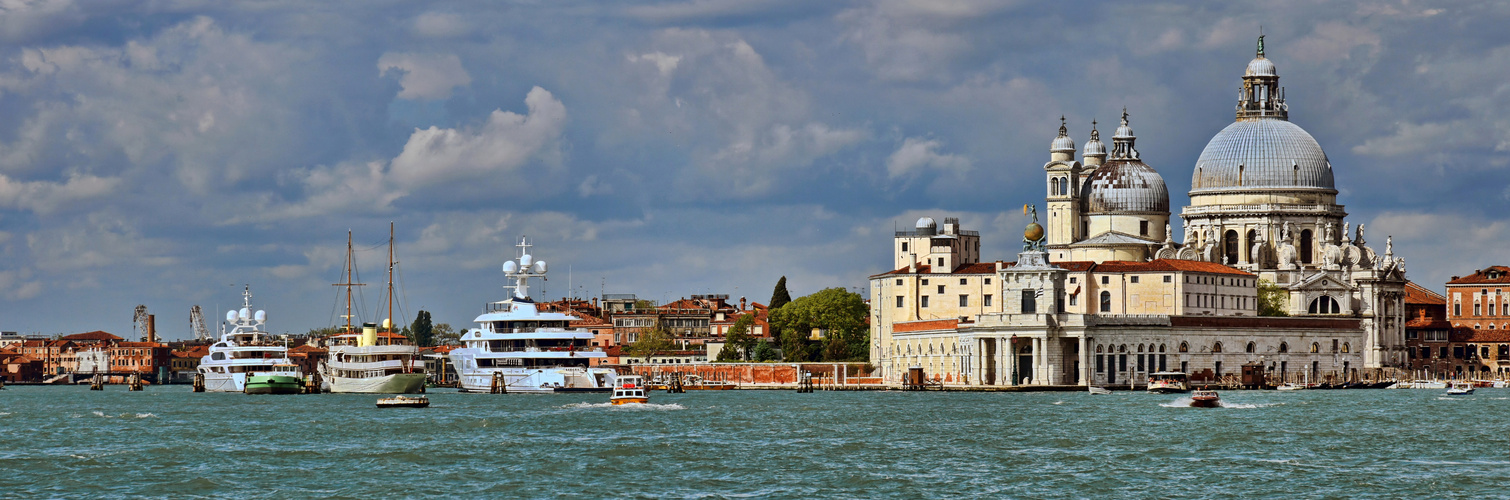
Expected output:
(1109, 296)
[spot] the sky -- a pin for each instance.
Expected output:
(169, 153)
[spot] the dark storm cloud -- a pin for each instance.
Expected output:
(158, 154)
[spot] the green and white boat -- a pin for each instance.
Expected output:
(283, 379)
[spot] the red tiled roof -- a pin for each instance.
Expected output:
(1488, 336)
(1417, 294)
(919, 326)
(140, 344)
(94, 335)
(1502, 275)
(1428, 323)
(305, 348)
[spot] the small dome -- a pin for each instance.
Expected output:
(1095, 147)
(926, 223)
(1063, 143)
(1125, 186)
(1261, 66)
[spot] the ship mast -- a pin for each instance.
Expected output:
(350, 263)
(390, 277)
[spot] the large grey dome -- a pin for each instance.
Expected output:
(1262, 153)
(1125, 186)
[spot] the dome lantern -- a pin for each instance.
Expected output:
(1261, 96)
(1122, 142)
(1095, 147)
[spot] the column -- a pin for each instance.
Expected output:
(1007, 359)
(1037, 372)
(1085, 361)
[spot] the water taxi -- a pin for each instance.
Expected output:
(1168, 382)
(1099, 391)
(1460, 389)
(404, 402)
(1290, 387)
(1205, 399)
(281, 379)
(630, 390)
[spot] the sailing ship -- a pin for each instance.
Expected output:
(367, 362)
(516, 348)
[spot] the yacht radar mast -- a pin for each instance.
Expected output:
(522, 270)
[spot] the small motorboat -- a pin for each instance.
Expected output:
(1168, 383)
(1460, 389)
(1099, 391)
(404, 402)
(1205, 399)
(1290, 387)
(629, 389)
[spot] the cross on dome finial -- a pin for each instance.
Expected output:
(1095, 134)
(1063, 131)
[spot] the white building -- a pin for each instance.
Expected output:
(1107, 296)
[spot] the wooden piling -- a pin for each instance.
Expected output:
(198, 382)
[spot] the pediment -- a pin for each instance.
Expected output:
(1321, 282)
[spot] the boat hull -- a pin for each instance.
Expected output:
(403, 402)
(539, 380)
(398, 383)
(1205, 403)
(1168, 390)
(273, 384)
(629, 400)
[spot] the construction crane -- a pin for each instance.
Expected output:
(196, 324)
(139, 322)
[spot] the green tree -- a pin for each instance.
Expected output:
(1272, 299)
(442, 333)
(738, 342)
(654, 341)
(315, 333)
(779, 296)
(837, 313)
(763, 352)
(421, 332)
(642, 304)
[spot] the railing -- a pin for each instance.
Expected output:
(544, 349)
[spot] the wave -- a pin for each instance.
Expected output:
(627, 407)
(101, 414)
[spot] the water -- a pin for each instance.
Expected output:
(167, 441)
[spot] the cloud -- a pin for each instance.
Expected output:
(45, 197)
(467, 159)
(1333, 41)
(917, 153)
(506, 141)
(425, 76)
(441, 25)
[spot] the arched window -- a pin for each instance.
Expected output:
(1284, 347)
(1064, 187)
(1161, 347)
(1248, 246)
(1053, 186)
(1315, 347)
(1346, 348)
(1305, 246)
(1122, 348)
(1098, 348)
(1229, 246)
(1325, 305)
(1184, 347)
(1106, 301)
(1251, 347)
(1217, 347)
(1140, 347)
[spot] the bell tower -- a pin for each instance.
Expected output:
(1063, 202)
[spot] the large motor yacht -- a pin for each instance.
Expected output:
(244, 350)
(516, 348)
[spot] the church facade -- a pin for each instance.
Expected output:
(1103, 294)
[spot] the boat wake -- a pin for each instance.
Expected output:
(101, 414)
(1185, 403)
(628, 407)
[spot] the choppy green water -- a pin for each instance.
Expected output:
(167, 441)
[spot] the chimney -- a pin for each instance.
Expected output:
(742, 304)
(151, 328)
(998, 266)
(912, 266)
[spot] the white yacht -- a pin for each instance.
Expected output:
(244, 349)
(516, 348)
(366, 362)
